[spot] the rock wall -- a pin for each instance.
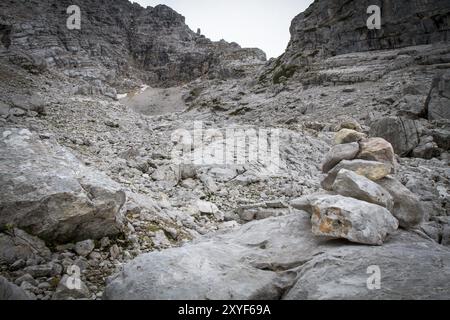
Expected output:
(119, 43)
(330, 28)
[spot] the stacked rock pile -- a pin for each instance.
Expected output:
(364, 203)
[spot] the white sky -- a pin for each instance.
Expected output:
(251, 23)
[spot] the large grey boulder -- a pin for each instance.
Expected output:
(348, 218)
(275, 258)
(347, 151)
(402, 133)
(351, 184)
(372, 170)
(334, 27)
(50, 194)
(407, 206)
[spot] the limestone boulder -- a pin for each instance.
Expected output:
(49, 193)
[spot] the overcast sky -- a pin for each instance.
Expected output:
(251, 23)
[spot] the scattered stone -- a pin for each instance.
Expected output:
(442, 138)
(160, 240)
(351, 125)
(206, 207)
(71, 289)
(104, 242)
(84, 248)
(427, 149)
(26, 277)
(17, 245)
(114, 252)
(44, 270)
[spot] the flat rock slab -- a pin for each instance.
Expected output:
(275, 259)
(51, 194)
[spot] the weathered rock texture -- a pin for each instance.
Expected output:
(49, 193)
(279, 258)
(329, 28)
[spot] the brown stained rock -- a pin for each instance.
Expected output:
(377, 149)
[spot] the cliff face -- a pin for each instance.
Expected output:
(334, 27)
(119, 43)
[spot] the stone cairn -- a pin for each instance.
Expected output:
(364, 203)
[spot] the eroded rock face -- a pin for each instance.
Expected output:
(50, 194)
(119, 45)
(281, 256)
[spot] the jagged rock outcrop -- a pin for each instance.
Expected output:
(329, 28)
(119, 45)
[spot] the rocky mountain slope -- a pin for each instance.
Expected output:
(119, 46)
(358, 175)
